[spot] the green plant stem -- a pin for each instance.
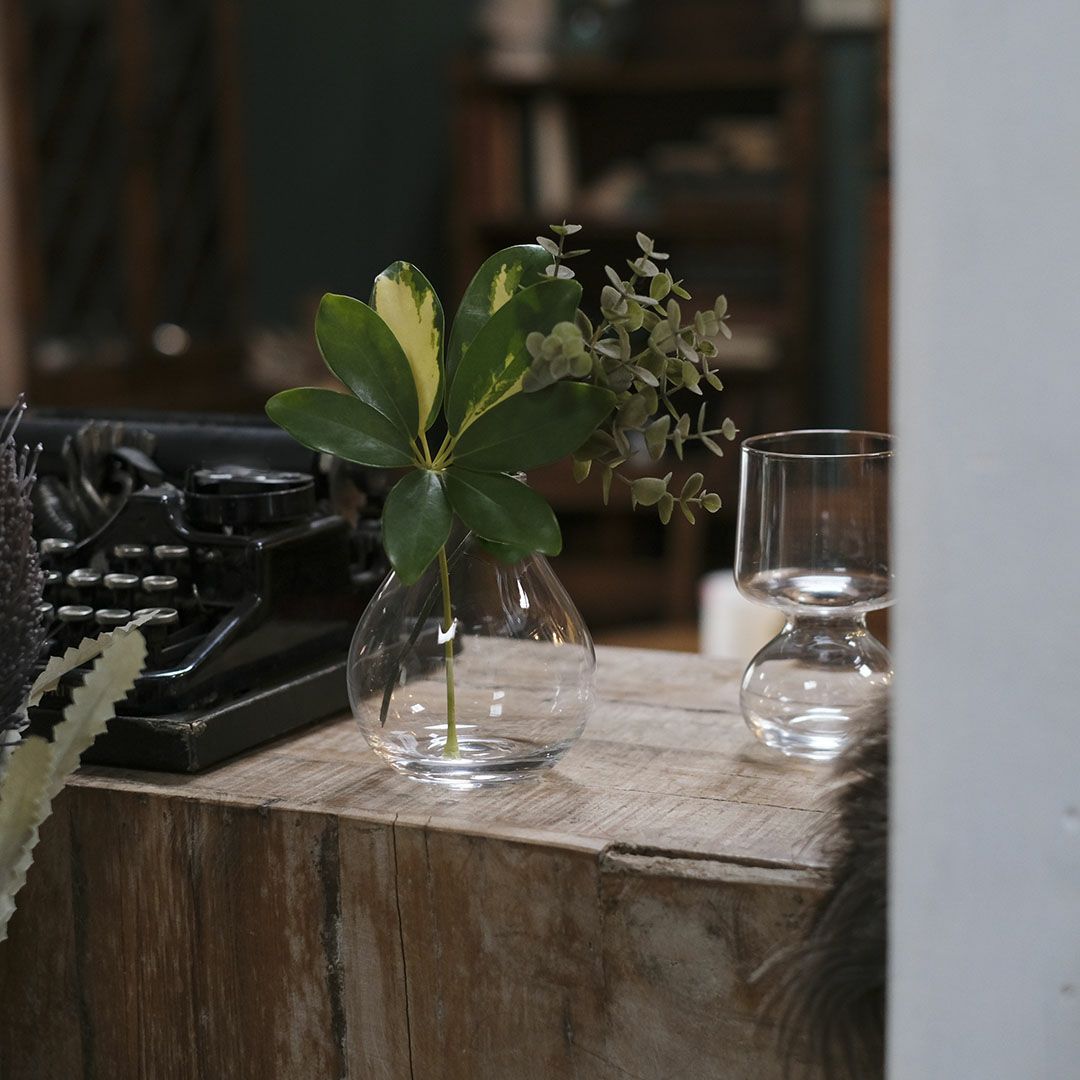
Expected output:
(451, 750)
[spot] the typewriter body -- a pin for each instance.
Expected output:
(250, 557)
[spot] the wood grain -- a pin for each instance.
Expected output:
(305, 912)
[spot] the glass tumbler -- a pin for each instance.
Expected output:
(812, 540)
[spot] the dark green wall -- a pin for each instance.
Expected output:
(849, 73)
(347, 132)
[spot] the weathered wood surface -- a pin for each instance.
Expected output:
(304, 912)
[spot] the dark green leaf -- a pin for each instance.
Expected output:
(503, 552)
(416, 523)
(503, 509)
(361, 350)
(529, 430)
(493, 365)
(339, 424)
(498, 279)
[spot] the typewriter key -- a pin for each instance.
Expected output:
(162, 621)
(46, 611)
(133, 557)
(53, 580)
(160, 587)
(82, 585)
(75, 624)
(111, 618)
(174, 557)
(121, 588)
(54, 550)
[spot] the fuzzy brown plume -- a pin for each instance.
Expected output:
(22, 634)
(827, 991)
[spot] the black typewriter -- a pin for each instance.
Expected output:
(251, 557)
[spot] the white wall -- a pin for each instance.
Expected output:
(985, 972)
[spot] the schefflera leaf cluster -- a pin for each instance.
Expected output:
(402, 371)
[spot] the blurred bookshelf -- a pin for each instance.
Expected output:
(127, 203)
(700, 133)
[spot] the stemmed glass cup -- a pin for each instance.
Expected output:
(813, 540)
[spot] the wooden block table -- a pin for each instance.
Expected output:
(304, 912)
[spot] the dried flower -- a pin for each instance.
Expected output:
(22, 633)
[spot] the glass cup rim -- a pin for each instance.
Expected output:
(753, 445)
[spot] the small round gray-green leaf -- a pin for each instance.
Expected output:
(710, 502)
(612, 299)
(665, 506)
(694, 483)
(548, 245)
(581, 365)
(656, 437)
(728, 429)
(649, 490)
(634, 412)
(534, 343)
(581, 470)
(660, 286)
(644, 242)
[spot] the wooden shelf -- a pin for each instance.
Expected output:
(761, 218)
(634, 77)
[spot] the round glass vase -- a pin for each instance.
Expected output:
(498, 691)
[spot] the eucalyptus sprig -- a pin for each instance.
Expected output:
(645, 351)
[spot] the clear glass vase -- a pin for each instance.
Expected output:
(498, 692)
(812, 541)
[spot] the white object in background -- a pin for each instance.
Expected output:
(520, 35)
(553, 154)
(844, 14)
(733, 627)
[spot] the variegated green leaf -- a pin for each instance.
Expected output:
(530, 430)
(500, 277)
(495, 363)
(408, 304)
(361, 350)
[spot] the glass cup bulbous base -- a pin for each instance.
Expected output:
(515, 672)
(809, 690)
